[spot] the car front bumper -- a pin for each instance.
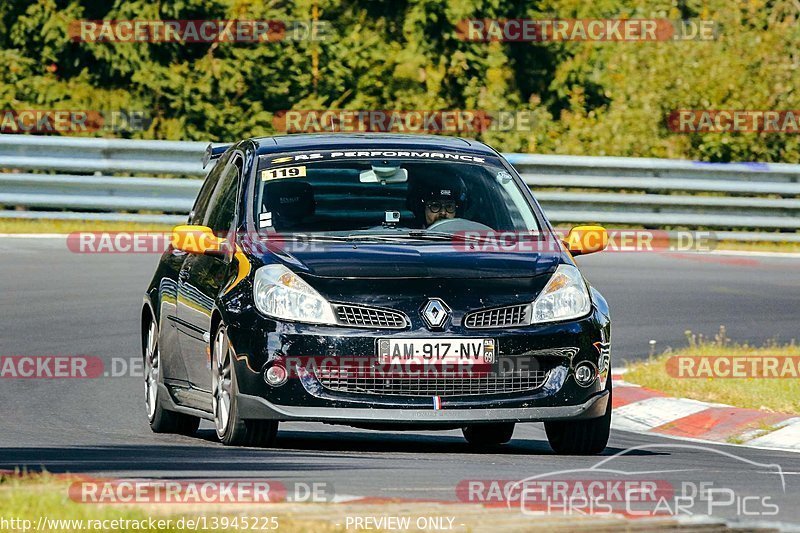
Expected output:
(256, 407)
(260, 342)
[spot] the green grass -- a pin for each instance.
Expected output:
(32, 497)
(13, 225)
(769, 394)
(785, 247)
(35, 496)
(29, 497)
(760, 429)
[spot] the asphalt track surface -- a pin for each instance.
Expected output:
(57, 302)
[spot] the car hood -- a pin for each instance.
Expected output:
(428, 260)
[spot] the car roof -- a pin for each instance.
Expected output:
(343, 141)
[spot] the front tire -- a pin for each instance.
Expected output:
(488, 435)
(581, 437)
(231, 429)
(161, 420)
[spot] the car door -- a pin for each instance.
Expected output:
(172, 360)
(202, 276)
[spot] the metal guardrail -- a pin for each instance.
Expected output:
(73, 154)
(735, 198)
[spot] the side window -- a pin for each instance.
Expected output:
(199, 211)
(222, 205)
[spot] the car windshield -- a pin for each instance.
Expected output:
(320, 194)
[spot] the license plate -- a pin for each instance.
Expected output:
(436, 351)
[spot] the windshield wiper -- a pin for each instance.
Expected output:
(421, 235)
(307, 237)
(498, 239)
(425, 235)
(333, 238)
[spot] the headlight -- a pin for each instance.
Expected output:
(564, 297)
(280, 293)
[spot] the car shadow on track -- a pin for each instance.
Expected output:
(295, 451)
(346, 441)
(150, 459)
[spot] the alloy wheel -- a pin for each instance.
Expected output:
(152, 361)
(221, 382)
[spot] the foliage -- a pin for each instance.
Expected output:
(599, 98)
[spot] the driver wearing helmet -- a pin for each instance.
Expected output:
(439, 198)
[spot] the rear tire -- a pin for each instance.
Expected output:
(161, 420)
(231, 429)
(581, 437)
(489, 434)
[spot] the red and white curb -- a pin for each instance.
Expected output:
(643, 410)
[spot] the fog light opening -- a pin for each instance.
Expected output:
(585, 374)
(275, 376)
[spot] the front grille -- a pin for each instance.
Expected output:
(367, 381)
(369, 317)
(500, 317)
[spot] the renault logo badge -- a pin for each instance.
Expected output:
(435, 313)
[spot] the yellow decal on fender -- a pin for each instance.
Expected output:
(244, 269)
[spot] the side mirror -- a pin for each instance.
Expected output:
(197, 240)
(584, 240)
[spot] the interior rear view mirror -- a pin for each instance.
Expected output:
(384, 175)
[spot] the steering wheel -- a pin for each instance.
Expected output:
(453, 225)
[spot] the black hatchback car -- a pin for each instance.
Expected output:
(377, 281)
